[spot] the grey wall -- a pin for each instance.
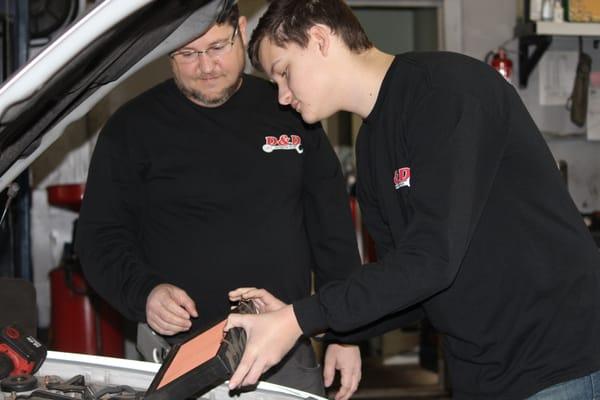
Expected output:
(396, 30)
(390, 29)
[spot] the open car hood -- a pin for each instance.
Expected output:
(76, 70)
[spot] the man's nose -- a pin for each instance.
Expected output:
(285, 95)
(205, 63)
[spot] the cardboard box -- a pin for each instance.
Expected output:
(583, 10)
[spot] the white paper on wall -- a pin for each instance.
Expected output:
(593, 111)
(557, 75)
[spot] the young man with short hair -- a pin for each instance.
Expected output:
(473, 224)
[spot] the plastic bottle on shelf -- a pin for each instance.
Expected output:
(559, 11)
(547, 10)
(535, 10)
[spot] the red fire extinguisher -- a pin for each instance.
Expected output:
(81, 322)
(501, 63)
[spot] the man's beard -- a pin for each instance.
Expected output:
(214, 100)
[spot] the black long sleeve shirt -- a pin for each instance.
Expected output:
(211, 199)
(475, 228)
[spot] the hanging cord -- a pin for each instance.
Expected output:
(569, 103)
(11, 193)
(578, 102)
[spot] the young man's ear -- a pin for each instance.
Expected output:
(321, 35)
(242, 23)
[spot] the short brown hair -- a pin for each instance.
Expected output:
(289, 21)
(230, 17)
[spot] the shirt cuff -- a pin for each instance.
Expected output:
(310, 315)
(140, 305)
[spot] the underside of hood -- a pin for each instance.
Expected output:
(153, 30)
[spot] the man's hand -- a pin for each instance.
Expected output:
(346, 359)
(263, 300)
(268, 338)
(169, 309)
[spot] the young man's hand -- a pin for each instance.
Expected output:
(169, 309)
(346, 359)
(262, 299)
(270, 336)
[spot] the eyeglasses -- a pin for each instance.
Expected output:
(187, 56)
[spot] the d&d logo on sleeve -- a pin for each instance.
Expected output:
(402, 178)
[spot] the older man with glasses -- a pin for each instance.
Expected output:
(204, 183)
